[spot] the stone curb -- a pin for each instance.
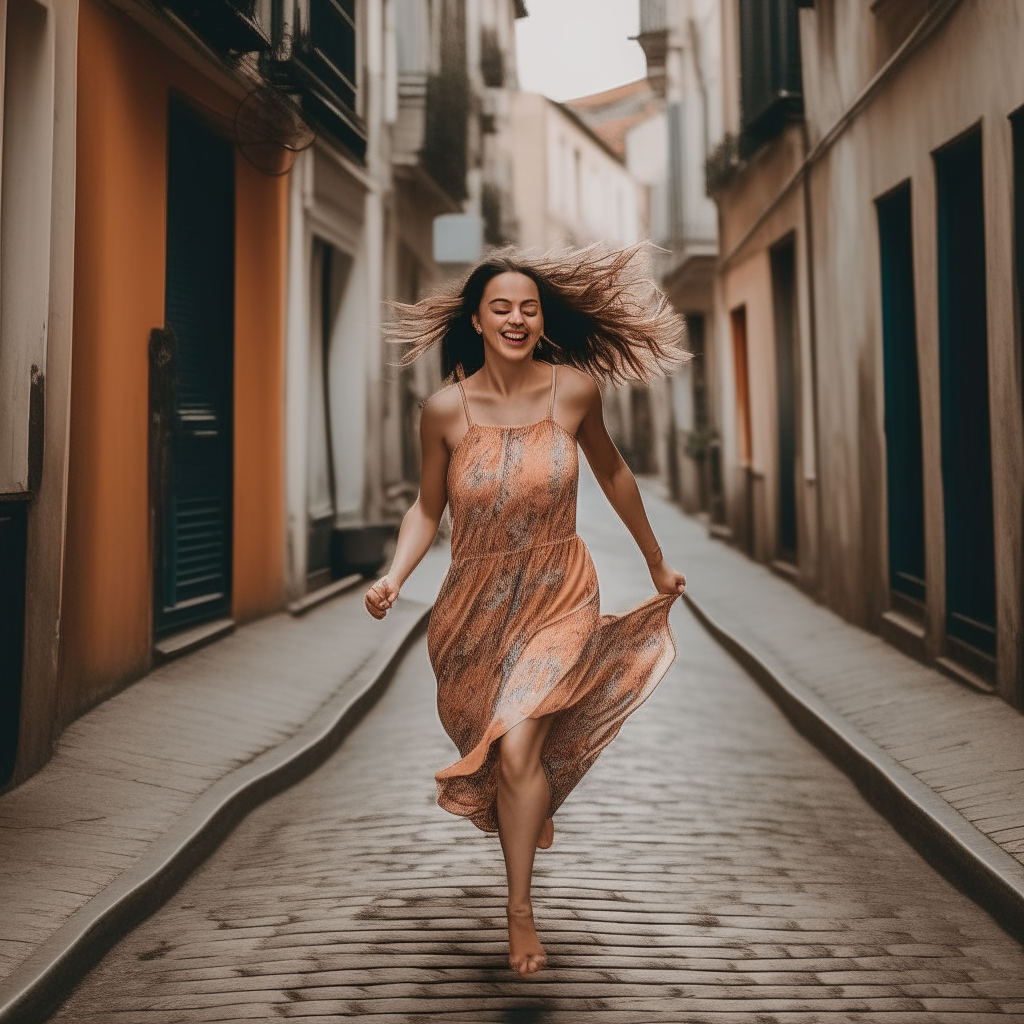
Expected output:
(39, 985)
(948, 841)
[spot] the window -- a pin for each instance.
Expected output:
(332, 35)
(321, 65)
(771, 90)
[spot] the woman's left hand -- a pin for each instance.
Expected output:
(666, 579)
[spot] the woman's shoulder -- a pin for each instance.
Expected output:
(576, 383)
(442, 405)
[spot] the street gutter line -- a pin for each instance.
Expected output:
(31, 993)
(948, 841)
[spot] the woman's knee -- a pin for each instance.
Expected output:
(520, 750)
(518, 762)
(516, 766)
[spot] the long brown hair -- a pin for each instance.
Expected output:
(602, 314)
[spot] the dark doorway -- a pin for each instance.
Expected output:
(194, 564)
(1017, 121)
(12, 629)
(783, 261)
(744, 433)
(329, 277)
(904, 473)
(966, 454)
(642, 451)
(698, 443)
(1018, 221)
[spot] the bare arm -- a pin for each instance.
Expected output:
(619, 486)
(419, 527)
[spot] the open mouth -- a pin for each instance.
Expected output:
(515, 337)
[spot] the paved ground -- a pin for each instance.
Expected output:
(127, 772)
(966, 746)
(712, 867)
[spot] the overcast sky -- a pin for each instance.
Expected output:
(570, 48)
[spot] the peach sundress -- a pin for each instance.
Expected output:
(516, 631)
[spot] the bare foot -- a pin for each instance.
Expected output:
(525, 953)
(547, 834)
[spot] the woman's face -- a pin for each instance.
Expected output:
(509, 318)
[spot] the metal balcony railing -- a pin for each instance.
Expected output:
(228, 26)
(318, 59)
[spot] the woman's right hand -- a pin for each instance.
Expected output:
(380, 597)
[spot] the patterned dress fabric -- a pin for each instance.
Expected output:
(516, 631)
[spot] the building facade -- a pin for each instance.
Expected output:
(669, 152)
(870, 196)
(175, 469)
(207, 208)
(434, 106)
(572, 187)
(37, 268)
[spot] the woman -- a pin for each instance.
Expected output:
(532, 681)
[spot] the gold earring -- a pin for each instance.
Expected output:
(479, 329)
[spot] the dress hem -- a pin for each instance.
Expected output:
(657, 673)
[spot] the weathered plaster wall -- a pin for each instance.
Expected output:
(745, 280)
(968, 73)
(124, 79)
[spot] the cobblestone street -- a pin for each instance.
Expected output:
(713, 866)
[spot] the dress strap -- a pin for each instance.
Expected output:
(460, 376)
(554, 382)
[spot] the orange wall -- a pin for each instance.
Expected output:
(259, 525)
(124, 78)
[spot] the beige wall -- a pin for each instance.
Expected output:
(864, 139)
(745, 280)
(969, 72)
(556, 204)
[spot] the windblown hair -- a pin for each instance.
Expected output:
(602, 314)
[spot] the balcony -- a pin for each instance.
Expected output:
(318, 61)
(771, 88)
(435, 102)
(230, 27)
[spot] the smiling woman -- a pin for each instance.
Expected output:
(532, 681)
(602, 314)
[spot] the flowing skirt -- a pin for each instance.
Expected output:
(519, 635)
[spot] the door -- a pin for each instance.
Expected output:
(12, 629)
(330, 269)
(744, 434)
(783, 263)
(194, 565)
(963, 340)
(700, 440)
(904, 472)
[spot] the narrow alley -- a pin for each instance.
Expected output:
(713, 866)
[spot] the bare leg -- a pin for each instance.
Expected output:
(523, 799)
(547, 834)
